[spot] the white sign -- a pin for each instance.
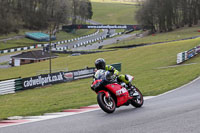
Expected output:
(17, 62)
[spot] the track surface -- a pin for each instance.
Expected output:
(174, 112)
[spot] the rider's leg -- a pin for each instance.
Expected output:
(124, 78)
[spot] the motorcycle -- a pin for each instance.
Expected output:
(112, 94)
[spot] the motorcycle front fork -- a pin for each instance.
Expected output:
(131, 90)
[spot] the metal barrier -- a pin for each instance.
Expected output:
(7, 87)
(10, 86)
(186, 55)
(13, 85)
(18, 84)
(44, 45)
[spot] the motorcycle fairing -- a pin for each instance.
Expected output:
(105, 92)
(120, 92)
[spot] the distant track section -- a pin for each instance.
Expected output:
(134, 27)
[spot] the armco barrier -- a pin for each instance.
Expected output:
(7, 87)
(10, 86)
(18, 84)
(13, 85)
(61, 42)
(55, 78)
(44, 45)
(85, 43)
(186, 55)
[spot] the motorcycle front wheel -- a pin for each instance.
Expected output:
(107, 104)
(137, 100)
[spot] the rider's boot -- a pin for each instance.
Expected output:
(130, 89)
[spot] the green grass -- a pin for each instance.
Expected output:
(61, 36)
(106, 13)
(160, 37)
(34, 102)
(142, 62)
(114, 13)
(4, 63)
(115, 1)
(64, 35)
(21, 33)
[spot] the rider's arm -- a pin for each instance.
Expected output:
(112, 70)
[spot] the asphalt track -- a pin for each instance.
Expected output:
(174, 112)
(71, 44)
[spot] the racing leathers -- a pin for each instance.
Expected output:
(115, 72)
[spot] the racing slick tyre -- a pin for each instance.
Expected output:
(137, 100)
(107, 104)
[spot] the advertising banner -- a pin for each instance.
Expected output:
(197, 49)
(84, 73)
(54, 78)
(181, 57)
(43, 80)
(68, 76)
(134, 27)
(191, 53)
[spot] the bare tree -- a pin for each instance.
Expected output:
(40, 14)
(165, 15)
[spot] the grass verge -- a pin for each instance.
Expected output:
(61, 36)
(115, 1)
(142, 62)
(159, 37)
(107, 13)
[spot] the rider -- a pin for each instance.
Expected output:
(101, 64)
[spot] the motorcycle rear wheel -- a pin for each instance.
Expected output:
(107, 104)
(137, 101)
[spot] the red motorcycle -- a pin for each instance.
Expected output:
(112, 94)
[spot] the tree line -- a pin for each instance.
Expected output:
(40, 14)
(166, 15)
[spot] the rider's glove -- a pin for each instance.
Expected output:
(112, 71)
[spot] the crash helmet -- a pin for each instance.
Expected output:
(100, 63)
